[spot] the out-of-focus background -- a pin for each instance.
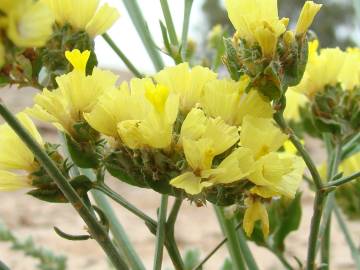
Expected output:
(197, 227)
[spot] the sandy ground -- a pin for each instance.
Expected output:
(196, 227)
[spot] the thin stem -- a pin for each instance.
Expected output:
(186, 23)
(3, 266)
(169, 22)
(96, 230)
(348, 146)
(314, 231)
(127, 205)
(297, 143)
(170, 241)
(218, 246)
(333, 166)
(160, 233)
(117, 230)
(282, 259)
(248, 256)
(229, 231)
(354, 250)
(122, 56)
(141, 27)
(343, 180)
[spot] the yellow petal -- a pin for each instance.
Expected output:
(194, 125)
(252, 135)
(255, 211)
(199, 154)
(234, 167)
(307, 15)
(11, 182)
(104, 18)
(78, 59)
(30, 24)
(190, 183)
(294, 101)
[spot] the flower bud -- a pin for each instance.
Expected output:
(307, 15)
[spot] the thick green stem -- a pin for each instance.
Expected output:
(349, 239)
(141, 27)
(122, 56)
(186, 23)
(170, 241)
(229, 231)
(151, 223)
(169, 22)
(96, 230)
(160, 233)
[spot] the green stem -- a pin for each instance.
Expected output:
(186, 23)
(349, 239)
(282, 259)
(314, 230)
(248, 256)
(141, 27)
(118, 231)
(333, 164)
(279, 118)
(229, 231)
(170, 242)
(3, 266)
(343, 180)
(122, 56)
(96, 230)
(169, 22)
(160, 233)
(151, 223)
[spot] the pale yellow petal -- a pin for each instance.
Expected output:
(255, 211)
(12, 182)
(104, 18)
(190, 183)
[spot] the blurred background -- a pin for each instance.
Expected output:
(197, 228)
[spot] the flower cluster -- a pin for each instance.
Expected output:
(25, 23)
(172, 130)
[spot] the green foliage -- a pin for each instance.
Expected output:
(228, 265)
(191, 259)
(47, 259)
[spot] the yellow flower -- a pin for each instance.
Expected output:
(77, 94)
(257, 21)
(350, 165)
(29, 23)
(238, 103)
(78, 59)
(209, 138)
(307, 15)
(252, 136)
(277, 174)
(255, 211)
(10, 181)
(14, 154)
(188, 83)
(294, 101)
(84, 15)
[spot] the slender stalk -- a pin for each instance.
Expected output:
(248, 256)
(282, 259)
(117, 230)
(169, 22)
(3, 266)
(349, 239)
(141, 27)
(122, 56)
(127, 205)
(96, 230)
(333, 165)
(170, 241)
(186, 23)
(314, 230)
(279, 118)
(160, 233)
(343, 180)
(229, 231)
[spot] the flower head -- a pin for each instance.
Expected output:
(84, 15)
